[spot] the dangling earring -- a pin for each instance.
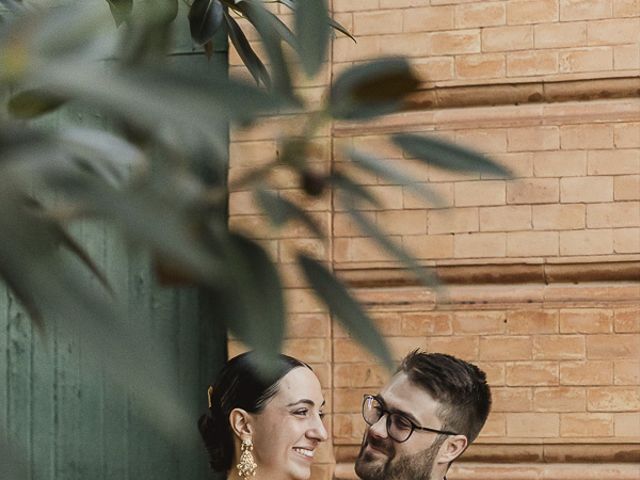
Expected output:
(247, 466)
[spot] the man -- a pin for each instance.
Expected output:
(423, 419)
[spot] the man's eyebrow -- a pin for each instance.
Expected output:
(306, 401)
(395, 410)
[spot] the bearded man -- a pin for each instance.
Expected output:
(423, 419)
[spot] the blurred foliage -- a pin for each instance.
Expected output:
(169, 126)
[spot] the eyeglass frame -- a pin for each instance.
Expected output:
(388, 413)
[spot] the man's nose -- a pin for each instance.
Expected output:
(379, 429)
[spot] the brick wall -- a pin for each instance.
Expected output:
(544, 292)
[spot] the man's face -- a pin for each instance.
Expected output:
(382, 458)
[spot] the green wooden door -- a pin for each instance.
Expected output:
(59, 409)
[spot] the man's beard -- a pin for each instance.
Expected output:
(404, 467)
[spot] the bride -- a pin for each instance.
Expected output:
(267, 428)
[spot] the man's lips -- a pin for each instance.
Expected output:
(377, 447)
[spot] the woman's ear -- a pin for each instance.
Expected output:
(240, 421)
(452, 448)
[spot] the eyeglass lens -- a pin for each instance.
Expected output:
(399, 428)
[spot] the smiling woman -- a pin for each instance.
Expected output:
(266, 425)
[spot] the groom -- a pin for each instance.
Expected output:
(423, 419)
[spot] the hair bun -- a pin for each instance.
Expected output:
(210, 431)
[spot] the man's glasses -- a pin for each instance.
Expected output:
(399, 427)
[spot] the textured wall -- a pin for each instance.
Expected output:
(543, 268)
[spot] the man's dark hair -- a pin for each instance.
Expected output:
(460, 387)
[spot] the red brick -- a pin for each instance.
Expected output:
(426, 324)
(485, 192)
(455, 42)
(627, 320)
(620, 214)
(586, 321)
(496, 426)
(626, 372)
(510, 399)
(348, 351)
(626, 187)
(569, 163)
(453, 220)
(627, 424)
(346, 400)
(531, 244)
(532, 373)
(495, 372)
(463, 347)
(626, 240)
(588, 242)
(428, 19)
(627, 135)
(532, 62)
(532, 11)
(400, 346)
(613, 399)
(533, 138)
(430, 247)
(387, 323)
(405, 222)
(616, 346)
(585, 9)
(528, 425)
(614, 162)
(377, 22)
(533, 190)
(354, 5)
(505, 218)
(586, 425)
(592, 59)
(434, 69)
(626, 57)
(478, 323)
(625, 8)
(532, 321)
(558, 347)
(308, 325)
(505, 348)
(559, 217)
(484, 65)
(560, 35)
(359, 375)
(614, 31)
(586, 189)
(480, 245)
(502, 39)
(559, 399)
(310, 350)
(591, 372)
(480, 14)
(583, 137)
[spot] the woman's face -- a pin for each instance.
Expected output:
(288, 430)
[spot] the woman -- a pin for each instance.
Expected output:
(269, 428)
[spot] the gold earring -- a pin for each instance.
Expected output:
(247, 466)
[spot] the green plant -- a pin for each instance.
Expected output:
(159, 174)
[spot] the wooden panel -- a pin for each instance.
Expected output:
(59, 407)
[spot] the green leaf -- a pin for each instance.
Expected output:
(284, 31)
(446, 155)
(247, 54)
(34, 103)
(262, 20)
(205, 18)
(337, 26)
(344, 307)
(313, 32)
(353, 189)
(252, 303)
(424, 274)
(372, 89)
(120, 10)
(281, 210)
(378, 166)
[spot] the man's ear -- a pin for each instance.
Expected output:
(240, 421)
(452, 448)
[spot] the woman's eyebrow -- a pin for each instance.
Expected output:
(307, 402)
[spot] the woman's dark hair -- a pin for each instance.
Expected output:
(239, 385)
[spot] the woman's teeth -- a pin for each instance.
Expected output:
(305, 452)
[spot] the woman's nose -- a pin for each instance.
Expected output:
(319, 432)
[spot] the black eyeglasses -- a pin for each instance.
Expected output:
(399, 427)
